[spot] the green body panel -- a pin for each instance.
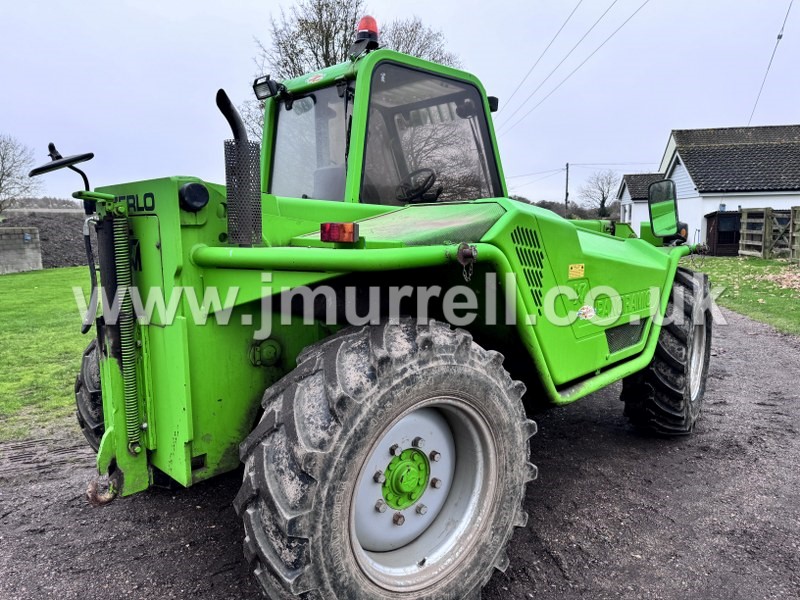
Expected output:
(583, 260)
(200, 381)
(596, 225)
(286, 218)
(646, 234)
(422, 225)
(624, 230)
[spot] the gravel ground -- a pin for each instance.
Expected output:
(613, 515)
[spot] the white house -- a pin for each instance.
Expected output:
(632, 196)
(723, 169)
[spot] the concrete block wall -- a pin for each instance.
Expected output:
(20, 249)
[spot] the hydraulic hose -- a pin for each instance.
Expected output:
(91, 314)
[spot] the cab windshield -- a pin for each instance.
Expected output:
(310, 145)
(427, 140)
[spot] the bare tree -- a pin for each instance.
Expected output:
(412, 36)
(16, 159)
(312, 35)
(252, 112)
(315, 34)
(613, 210)
(599, 190)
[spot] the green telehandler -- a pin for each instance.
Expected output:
(364, 319)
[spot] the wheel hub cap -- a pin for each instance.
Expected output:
(406, 479)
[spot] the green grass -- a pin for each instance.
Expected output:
(753, 288)
(40, 349)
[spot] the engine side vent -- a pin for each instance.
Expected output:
(624, 336)
(531, 259)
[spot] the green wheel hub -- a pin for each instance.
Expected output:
(406, 479)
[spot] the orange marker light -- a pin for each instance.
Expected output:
(338, 232)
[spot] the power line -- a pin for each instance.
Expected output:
(524, 79)
(575, 70)
(595, 165)
(586, 165)
(524, 102)
(774, 50)
(614, 164)
(535, 173)
(559, 171)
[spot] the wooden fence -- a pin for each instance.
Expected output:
(767, 233)
(794, 233)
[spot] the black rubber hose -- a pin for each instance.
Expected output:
(229, 111)
(92, 312)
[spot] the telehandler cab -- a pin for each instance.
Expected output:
(300, 320)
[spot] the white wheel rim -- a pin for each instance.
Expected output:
(426, 547)
(697, 361)
(375, 527)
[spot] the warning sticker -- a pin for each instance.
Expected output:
(315, 78)
(576, 271)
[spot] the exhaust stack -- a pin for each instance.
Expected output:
(242, 179)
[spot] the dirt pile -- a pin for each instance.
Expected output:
(60, 233)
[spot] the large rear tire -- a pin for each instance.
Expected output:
(666, 398)
(391, 464)
(88, 397)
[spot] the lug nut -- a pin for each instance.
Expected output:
(380, 506)
(379, 477)
(395, 450)
(398, 519)
(436, 483)
(435, 456)
(418, 442)
(422, 509)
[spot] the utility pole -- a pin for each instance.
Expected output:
(566, 196)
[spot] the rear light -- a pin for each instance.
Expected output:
(339, 232)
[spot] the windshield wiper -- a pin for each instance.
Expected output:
(345, 91)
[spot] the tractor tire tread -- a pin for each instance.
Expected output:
(308, 414)
(88, 397)
(657, 398)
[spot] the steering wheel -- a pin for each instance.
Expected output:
(411, 188)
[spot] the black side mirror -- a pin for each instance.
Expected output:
(68, 162)
(59, 162)
(494, 103)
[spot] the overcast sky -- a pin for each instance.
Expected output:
(134, 82)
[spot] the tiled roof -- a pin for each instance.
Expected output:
(741, 159)
(724, 136)
(639, 183)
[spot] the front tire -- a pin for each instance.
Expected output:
(89, 398)
(666, 398)
(391, 464)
